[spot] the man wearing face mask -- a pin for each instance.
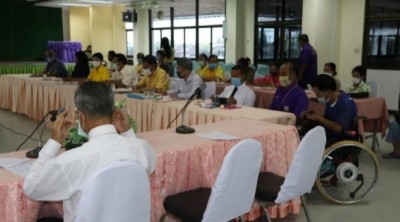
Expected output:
(154, 78)
(188, 82)
(340, 110)
(111, 56)
(54, 66)
(137, 70)
(358, 89)
(289, 97)
(123, 76)
(238, 93)
(271, 79)
(59, 176)
(99, 73)
(214, 71)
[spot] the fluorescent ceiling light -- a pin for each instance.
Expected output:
(97, 1)
(74, 4)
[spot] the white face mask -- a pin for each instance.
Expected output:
(356, 80)
(96, 64)
(284, 81)
(114, 66)
(81, 132)
(146, 72)
(322, 100)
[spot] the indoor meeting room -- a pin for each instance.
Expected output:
(199, 110)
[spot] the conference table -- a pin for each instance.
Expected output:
(34, 97)
(184, 162)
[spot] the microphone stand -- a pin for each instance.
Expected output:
(185, 129)
(34, 153)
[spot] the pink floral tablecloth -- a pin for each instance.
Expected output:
(184, 162)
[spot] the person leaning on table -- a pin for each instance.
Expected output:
(154, 78)
(56, 176)
(54, 66)
(99, 73)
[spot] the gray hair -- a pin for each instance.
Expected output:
(94, 99)
(185, 63)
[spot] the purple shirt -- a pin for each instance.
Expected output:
(308, 55)
(292, 99)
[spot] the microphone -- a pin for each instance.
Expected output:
(234, 92)
(54, 113)
(185, 129)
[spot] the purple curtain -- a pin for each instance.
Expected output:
(65, 51)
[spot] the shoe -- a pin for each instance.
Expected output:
(391, 155)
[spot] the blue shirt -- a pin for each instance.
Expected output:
(57, 68)
(343, 112)
(308, 56)
(292, 99)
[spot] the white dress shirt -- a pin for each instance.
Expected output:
(54, 177)
(187, 87)
(126, 75)
(244, 95)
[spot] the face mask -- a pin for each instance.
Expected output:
(284, 81)
(139, 61)
(356, 80)
(50, 59)
(322, 100)
(236, 81)
(146, 72)
(81, 132)
(114, 66)
(96, 64)
(212, 66)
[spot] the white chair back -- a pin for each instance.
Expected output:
(210, 90)
(305, 165)
(374, 88)
(233, 192)
(119, 192)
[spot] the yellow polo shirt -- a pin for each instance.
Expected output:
(99, 74)
(158, 80)
(206, 72)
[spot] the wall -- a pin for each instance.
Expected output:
(79, 21)
(141, 33)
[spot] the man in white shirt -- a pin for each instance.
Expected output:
(238, 93)
(56, 176)
(188, 82)
(123, 76)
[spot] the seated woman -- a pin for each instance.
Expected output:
(289, 97)
(212, 72)
(358, 89)
(81, 69)
(272, 79)
(340, 110)
(330, 68)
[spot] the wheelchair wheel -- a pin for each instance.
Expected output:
(349, 172)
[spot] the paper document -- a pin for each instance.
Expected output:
(217, 135)
(19, 166)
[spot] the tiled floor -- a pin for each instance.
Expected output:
(381, 205)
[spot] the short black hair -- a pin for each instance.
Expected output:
(121, 58)
(361, 70)
(240, 68)
(140, 55)
(324, 83)
(204, 56)
(244, 61)
(212, 56)
(98, 55)
(304, 38)
(185, 63)
(112, 53)
(150, 59)
(161, 53)
(333, 67)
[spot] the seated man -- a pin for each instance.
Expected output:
(213, 72)
(358, 89)
(99, 73)
(340, 110)
(238, 93)
(123, 75)
(54, 66)
(188, 82)
(289, 97)
(57, 176)
(154, 78)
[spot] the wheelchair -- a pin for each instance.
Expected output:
(349, 171)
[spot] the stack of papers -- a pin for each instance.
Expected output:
(19, 166)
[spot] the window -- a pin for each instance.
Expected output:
(129, 39)
(278, 29)
(382, 35)
(178, 23)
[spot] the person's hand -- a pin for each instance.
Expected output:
(120, 120)
(231, 101)
(312, 116)
(59, 130)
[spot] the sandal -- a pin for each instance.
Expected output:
(391, 155)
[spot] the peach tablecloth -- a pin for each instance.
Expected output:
(184, 162)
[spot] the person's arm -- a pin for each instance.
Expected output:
(162, 83)
(105, 75)
(219, 74)
(325, 122)
(120, 120)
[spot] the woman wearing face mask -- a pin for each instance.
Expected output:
(289, 97)
(99, 73)
(330, 69)
(340, 110)
(271, 79)
(203, 63)
(214, 71)
(358, 89)
(238, 93)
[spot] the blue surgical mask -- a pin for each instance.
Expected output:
(212, 66)
(236, 81)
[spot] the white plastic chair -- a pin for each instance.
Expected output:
(211, 89)
(374, 88)
(119, 192)
(232, 194)
(301, 175)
